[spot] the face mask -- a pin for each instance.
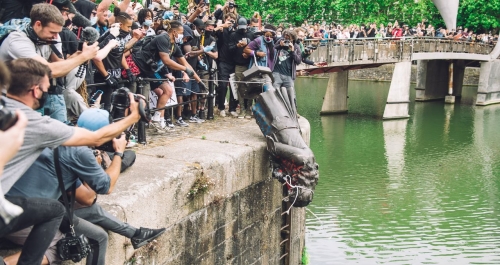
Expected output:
(178, 39)
(148, 23)
(208, 33)
(42, 100)
(278, 35)
(67, 23)
(254, 29)
(93, 20)
(241, 31)
(268, 39)
(123, 33)
(196, 33)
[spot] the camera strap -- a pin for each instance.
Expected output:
(68, 204)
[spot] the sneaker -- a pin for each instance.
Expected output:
(222, 113)
(181, 122)
(242, 114)
(145, 236)
(156, 117)
(233, 113)
(160, 126)
(130, 144)
(195, 119)
(169, 123)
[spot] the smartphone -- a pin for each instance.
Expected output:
(95, 96)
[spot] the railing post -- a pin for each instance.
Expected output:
(210, 111)
(141, 126)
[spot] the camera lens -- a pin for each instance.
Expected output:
(7, 118)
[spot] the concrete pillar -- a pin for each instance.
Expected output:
(488, 91)
(457, 79)
(432, 80)
(399, 92)
(335, 100)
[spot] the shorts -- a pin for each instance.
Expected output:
(195, 88)
(182, 88)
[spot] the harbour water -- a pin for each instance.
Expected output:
(424, 190)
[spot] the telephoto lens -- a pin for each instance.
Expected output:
(7, 117)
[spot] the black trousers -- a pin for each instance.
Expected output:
(225, 69)
(45, 216)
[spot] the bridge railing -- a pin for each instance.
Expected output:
(372, 50)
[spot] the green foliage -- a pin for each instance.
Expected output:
(305, 257)
(479, 15)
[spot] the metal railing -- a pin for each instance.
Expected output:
(372, 50)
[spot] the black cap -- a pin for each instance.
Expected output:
(242, 23)
(199, 23)
(231, 4)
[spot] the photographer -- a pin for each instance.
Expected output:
(263, 47)
(33, 42)
(28, 90)
(305, 52)
(229, 8)
(287, 57)
(79, 163)
(225, 65)
(238, 40)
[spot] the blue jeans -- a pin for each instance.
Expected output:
(55, 107)
(287, 82)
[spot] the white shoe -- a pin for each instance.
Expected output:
(222, 113)
(242, 114)
(156, 117)
(233, 113)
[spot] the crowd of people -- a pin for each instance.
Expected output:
(323, 30)
(64, 67)
(61, 71)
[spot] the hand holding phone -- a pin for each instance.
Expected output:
(95, 97)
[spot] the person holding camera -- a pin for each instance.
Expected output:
(305, 51)
(80, 164)
(225, 65)
(238, 40)
(288, 56)
(28, 90)
(39, 41)
(229, 8)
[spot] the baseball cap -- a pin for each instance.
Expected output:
(93, 119)
(199, 23)
(242, 23)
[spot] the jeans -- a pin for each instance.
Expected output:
(225, 69)
(98, 240)
(97, 215)
(55, 107)
(287, 82)
(45, 216)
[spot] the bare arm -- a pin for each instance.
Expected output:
(103, 53)
(83, 137)
(61, 68)
(165, 58)
(85, 195)
(213, 55)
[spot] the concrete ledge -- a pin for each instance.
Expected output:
(237, 222)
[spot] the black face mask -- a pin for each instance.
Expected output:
(242, 31)
(67, 23)
(42, 100)
(208, 33)
(123, 33)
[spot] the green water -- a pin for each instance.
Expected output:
(425, 190)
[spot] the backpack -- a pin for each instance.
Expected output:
(15, 24)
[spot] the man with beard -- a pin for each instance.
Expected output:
(201, 57)
(237, 43)
(109, 69)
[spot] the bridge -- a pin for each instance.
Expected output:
(441, 64)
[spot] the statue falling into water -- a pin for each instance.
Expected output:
(292, 161)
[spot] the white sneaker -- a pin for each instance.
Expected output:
(222, 113)
(156, 117)
(233, 113)
(242, 114)
(160, 126)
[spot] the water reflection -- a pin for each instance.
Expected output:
(418, 191)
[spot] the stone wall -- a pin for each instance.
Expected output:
(384, 73)
(237, 222)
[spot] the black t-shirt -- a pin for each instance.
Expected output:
(194, 43)
(223, 47)
(113, 62)
(85, 7)
(150, 53)
(371, 34)
(69, 42)
(237, 53)
(283, 64)
(209, 41)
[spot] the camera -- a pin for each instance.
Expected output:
(287, 43)
(231, 5)
(73, 247)
(120, 102)
(310, 48)
(7, 117)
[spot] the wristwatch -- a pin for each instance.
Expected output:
(120, 154)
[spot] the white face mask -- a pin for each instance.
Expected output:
(93, 20)
(179, 38)
(196, 33)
